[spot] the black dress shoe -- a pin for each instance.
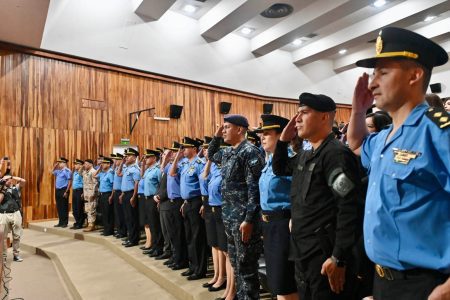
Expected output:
(102, 233)
(170, 266)
(124, 243)
(57, 225)
(196, 277)
(179, 267)
(124, 238)
(187, 273)
(163, 256)
(64, 226)
(131, 245)
(155, 253)
(220, 298)
(147, 251)
(219, 288)
(107, 234)
(168, 262)
(207, 284)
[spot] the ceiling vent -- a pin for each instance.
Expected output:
(278, 10)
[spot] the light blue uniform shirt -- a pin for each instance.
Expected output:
(62, 178)
(204, 181)
(141, 186)
(274, 190)
(105, 180)
(214, 186)
(173, 184)
(117, 185)
(189, 172)
(152, 178)
(77, 182)
(130, 175)
(407, 213)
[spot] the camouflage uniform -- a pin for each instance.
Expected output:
(241, 169)
(90, 186)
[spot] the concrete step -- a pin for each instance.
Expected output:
(170, 281)
(91, 271)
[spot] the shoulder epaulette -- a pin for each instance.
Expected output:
(439, 117)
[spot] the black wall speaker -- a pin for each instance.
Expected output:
(267, 108)
(225, 107)
(175, 111)
(436, 88)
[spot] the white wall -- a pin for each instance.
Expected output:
(110, 31)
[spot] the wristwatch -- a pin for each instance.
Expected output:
(338, 262)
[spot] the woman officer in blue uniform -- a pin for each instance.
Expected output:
(276, 213)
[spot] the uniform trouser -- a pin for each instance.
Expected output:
(12, 222)
(78, 207)
(244, 258)
(119, 215)
(107, 213)
(163, 216)
(155, 224)
(176, 232)
(62, 205)
(194, 226)
(90, 207)
(131, 217)
(415, 284)
(312, 285)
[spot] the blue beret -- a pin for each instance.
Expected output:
(317, 102)
(238, 120)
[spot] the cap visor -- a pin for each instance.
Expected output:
(367, 63)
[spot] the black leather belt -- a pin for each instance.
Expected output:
(205, 198)
(214, 208)
(104, 193)
(392, 274)
(269, 216)
(174, 199)
(8, 211)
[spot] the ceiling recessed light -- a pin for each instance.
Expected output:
(190, 8)
(297, 42)
(379, 3)
(429, 18)
(342, 51)
(247, 30)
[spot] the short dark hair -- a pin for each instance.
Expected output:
(380, 120)
(434, 100)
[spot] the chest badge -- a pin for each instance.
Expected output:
(404, 156)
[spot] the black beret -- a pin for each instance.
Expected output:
(238, 120)
(131, 151)
(317, 102)
(272, 122)
(401, 43)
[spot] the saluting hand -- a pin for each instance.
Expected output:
(362, 96)
(335, 274)
(289, 132)
(246, 230)
(219, 129)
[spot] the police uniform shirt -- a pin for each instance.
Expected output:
(152, 178)
(190, 172)
(173, 184)
(204, 182)
(274, 190)
(407, 213)
(117, 184)
(130, 175)
(62, 177)
(214, 186)
(141, 186)
(105, 180)
(77, 181)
